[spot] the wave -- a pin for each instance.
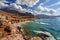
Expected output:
(43, 23)
(51, 37)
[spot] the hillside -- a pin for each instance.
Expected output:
(10, 26)
(7, 29)
(17, 15)
(11, 29)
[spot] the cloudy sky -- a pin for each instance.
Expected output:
(33, 6)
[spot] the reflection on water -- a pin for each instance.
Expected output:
(51, 25)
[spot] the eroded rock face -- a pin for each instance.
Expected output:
(36, 38)
(13, 37)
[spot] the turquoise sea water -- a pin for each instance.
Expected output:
(51, 25)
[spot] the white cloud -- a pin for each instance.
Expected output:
(4, 1)
(15, 7)
(58, 9)
(35, 13)
(52, 11)
(44, 9)
(57, 3)
(12, 6)
(44, 2)
(40, 8)
(18, 8)
(3, 5)
(29, 3)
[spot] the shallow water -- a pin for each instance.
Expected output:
(51, 25)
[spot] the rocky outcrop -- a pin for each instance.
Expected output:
(11, 33)
(13, 37)
(36, 38)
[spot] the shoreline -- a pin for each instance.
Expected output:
(19, 23)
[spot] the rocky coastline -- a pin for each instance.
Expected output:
(10, 28)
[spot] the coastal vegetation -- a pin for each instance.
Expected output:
(1, 24)
(7, 29)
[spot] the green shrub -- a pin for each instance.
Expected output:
(0, 24)
(19, 28)
(6, 17)
(7, 29)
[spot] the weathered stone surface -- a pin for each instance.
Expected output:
(13, 37)
(36, 38)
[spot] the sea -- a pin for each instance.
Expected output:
(50, 25)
